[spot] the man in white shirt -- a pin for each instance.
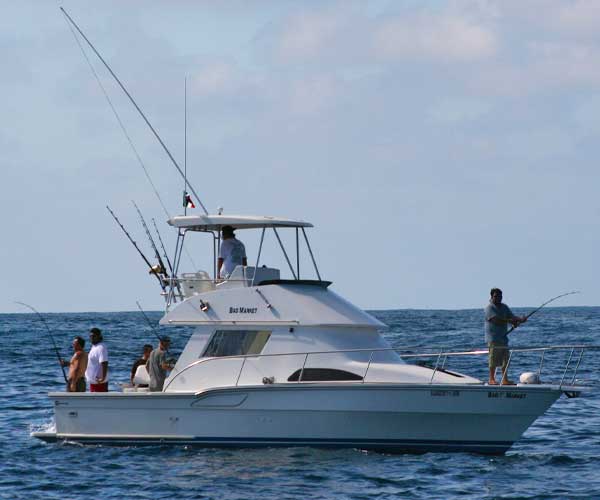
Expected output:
(97, 369)
(232, 253)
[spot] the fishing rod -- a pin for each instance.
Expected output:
(163, 246)
(543, 305)
(137, 108)
(163, 269)
(151, 267)
(150, 324)
(62, 368)
(148, 321)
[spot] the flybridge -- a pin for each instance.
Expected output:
(187, 285)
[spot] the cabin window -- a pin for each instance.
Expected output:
(236, 343)
(322, 374)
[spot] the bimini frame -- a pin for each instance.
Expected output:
(213, 224)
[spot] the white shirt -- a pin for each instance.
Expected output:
(97, 355)
(232, 252)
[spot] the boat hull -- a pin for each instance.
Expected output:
(392, 418)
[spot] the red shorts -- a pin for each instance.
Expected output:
(99, 387)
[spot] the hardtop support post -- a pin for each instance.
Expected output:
(311, 254)
(284, 253)
(262, 237)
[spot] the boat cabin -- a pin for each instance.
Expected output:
(258, 326)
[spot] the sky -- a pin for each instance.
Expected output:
(439, 148)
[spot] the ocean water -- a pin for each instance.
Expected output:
(558, 457)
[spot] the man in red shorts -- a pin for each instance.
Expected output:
(97, 369)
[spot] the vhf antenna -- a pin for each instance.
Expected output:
(184, 145)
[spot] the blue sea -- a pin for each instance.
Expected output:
(558, 457)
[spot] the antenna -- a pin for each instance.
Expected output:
(184, 144)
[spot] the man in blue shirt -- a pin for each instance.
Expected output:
(497, 318)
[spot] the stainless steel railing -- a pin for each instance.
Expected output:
(441, 357)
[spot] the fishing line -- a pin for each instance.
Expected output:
(62, 368)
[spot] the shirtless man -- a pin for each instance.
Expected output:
(77, 366)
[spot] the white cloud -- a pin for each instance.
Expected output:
(313, 96)
(215, 78)
(455, 110)
(580, 17)
(308, 33)
(445, 37)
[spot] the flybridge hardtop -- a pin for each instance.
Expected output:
(217, 222)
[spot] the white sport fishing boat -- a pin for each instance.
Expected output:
(278, 361)
(288, 362)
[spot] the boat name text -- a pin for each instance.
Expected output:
(510, 395)
(453, 394)
(243, 310)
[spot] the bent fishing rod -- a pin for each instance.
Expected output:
(137, 108)
(543, 305)
(160, 281)
(62, 368)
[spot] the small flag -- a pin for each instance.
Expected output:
(187, 201)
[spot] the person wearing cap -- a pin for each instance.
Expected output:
(96, 373)
(158, 366)
(139, 362)
(232, 253)
(497, 318)
(77, 366)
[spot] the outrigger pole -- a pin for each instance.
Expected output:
(150, 266)
(544, 304)
(187, 184)
(62, 368)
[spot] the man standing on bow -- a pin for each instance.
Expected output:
(497, 318)
(157, 365)
(97, 369)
